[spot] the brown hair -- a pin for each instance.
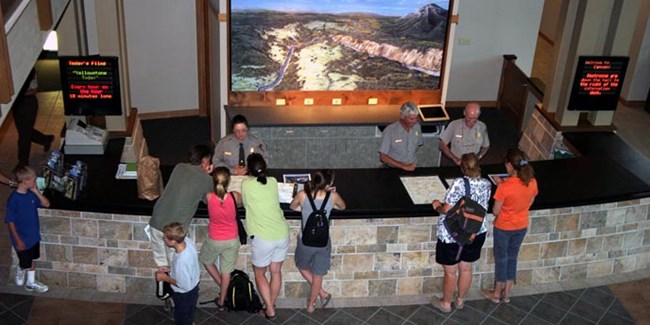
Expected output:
(221, 178)
(174, 231)
(469, 165)
(517, 160)
(257, 167)
(319, 181)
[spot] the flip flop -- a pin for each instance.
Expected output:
(437, 302)
(274, 317)
(326, 301)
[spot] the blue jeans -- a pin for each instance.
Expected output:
(506, 251)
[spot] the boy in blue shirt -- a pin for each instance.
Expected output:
(24, 228)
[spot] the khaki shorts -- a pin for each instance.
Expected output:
(226, 251)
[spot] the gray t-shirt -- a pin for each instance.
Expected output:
(186, 187)
(400, 144)
(465, 140)
(185, 268)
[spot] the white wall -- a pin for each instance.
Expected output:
(161, 46)
(492, 28)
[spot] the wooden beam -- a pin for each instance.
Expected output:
(6, 79)
(44, 14)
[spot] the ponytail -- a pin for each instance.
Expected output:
(257, 167)
(319, 182)
(518, 161)
(221, 178)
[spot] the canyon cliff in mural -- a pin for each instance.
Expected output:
(278, 47)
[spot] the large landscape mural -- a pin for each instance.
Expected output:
(336, 45)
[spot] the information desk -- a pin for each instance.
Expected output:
(376, 192)
(590, 220)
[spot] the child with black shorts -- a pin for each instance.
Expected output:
(24, 227)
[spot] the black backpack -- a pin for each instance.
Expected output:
(241, 294)
(164, 290)
(316, 231)
(464, 220)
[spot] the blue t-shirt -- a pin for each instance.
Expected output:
(22, 210)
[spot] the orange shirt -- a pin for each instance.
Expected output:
(517, 199)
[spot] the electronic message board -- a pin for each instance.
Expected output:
(597, 83)
(91, 85)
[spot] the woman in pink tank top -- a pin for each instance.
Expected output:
(223, 238)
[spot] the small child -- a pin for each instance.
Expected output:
(184, 274)
(24, 228)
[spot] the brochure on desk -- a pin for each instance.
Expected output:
(286, 190)
(424, 189)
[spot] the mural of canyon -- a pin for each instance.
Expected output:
(336, 45)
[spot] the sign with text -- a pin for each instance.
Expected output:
(597, 83)
(91, 85)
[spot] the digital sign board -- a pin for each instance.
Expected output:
(91, 85)
(597, 83)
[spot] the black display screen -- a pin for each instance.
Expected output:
(91, 85)
(597, 83)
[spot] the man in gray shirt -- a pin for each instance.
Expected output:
(466, 135)
(233, 149)
(401, 139)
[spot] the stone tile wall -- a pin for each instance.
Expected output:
(333, 147)
(392, 259)
(540, 138)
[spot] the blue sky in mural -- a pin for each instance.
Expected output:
(383, 7)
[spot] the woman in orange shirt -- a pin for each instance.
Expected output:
(512, 200)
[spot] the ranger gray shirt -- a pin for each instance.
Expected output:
(226, 153)
(465, 140)
(400, 144)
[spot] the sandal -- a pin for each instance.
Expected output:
(220, 308)
(325, 301)
(274, 317)
(489, 295)
(437, 302)
(460, 303)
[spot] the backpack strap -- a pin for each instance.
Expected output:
(468, 190)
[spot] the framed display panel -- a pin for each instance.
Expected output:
(350, 51)
(597, 83)
(433, 113)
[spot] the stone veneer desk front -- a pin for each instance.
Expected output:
(590, 219)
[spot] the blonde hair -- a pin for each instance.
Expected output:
(221, 178)
(174, 231)
(469, 165)
(23, 172)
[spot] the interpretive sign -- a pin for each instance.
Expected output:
(597, 83)
(91, 85)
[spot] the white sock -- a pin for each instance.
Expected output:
(31, 276)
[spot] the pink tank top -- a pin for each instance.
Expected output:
(223, 225)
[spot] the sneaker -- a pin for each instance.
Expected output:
(20, 276)
(37, 286)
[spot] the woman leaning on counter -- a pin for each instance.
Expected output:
(512, 200)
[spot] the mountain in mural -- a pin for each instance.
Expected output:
(272, 50)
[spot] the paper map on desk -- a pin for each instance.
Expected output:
(424, 189)
(285, 190)
(235, 183)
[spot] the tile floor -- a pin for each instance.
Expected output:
(573, 303)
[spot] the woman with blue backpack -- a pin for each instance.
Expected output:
(314, 248)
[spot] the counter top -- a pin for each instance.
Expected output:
(375, 192)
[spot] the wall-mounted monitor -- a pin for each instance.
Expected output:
(279, 48)
(91, 85)
(597, 83)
